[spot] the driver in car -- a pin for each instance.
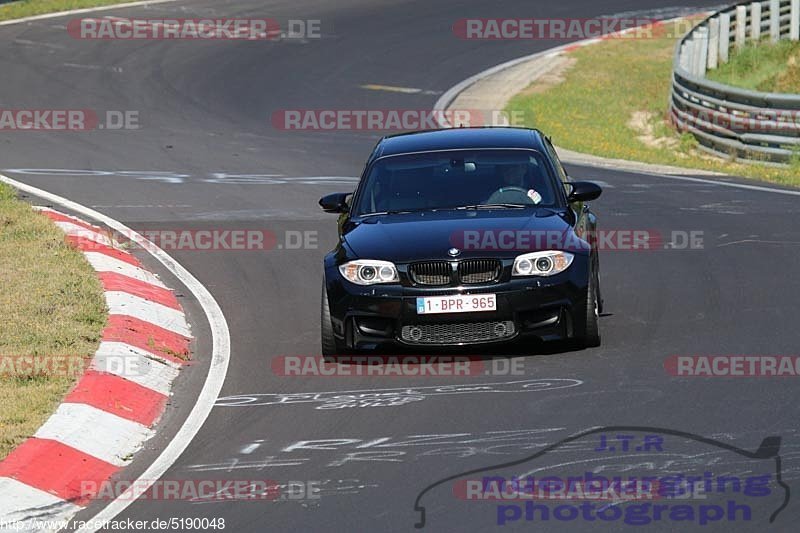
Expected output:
(515, 179)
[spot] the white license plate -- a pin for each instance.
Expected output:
(456, 304)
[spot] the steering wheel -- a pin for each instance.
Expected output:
(510, 195)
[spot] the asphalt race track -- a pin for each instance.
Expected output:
(207, 157)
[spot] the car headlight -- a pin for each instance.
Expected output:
(547, 263)
(369, 272)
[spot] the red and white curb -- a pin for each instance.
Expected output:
(110, 413)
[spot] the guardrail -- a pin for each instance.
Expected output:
(728, 121)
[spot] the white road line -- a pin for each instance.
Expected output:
(26, 42)
(396, 89)
(21, 501)
(220, 352)
(115, 440)
(85, 10)
(104, 263)
(721, 183)
(149, 206)
(134, 365)
(93, 67)
(125, 303)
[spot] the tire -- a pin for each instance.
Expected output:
(587, 332)
(600, 303)
(330, 346)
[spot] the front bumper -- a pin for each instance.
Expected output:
(382, 315)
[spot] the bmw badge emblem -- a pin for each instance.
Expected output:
(454, 252)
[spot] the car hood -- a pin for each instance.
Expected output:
(429, 235)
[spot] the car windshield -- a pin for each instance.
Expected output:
(470, 179)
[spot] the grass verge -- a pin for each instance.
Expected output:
(768, 67)
(613, 103)
(28, 8)
(52, 305)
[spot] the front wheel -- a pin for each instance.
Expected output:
(587, 331)
(330, 345)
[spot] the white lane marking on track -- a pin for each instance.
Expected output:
(150, 206)
(720, 183)
(218, 178)
(220, 352)
(114, 442)
(759, 241)
(395, 89)
(250, 448)
(92, 67)
(26, 42)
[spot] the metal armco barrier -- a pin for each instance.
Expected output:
(728, 121)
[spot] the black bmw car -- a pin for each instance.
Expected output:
(462, 237)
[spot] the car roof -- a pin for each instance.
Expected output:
(459, 138)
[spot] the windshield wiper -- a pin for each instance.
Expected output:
(496, 206)
(454, 208)
(398, 212)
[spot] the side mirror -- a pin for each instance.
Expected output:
(335, 203)
(584, 191)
